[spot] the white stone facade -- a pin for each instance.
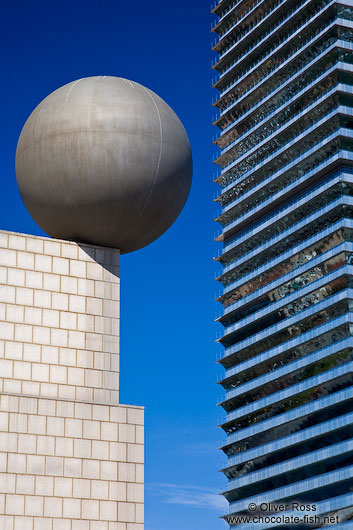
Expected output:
(71, 458)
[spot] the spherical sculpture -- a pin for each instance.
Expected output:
(105, 161)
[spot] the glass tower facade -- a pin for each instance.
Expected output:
(285, 100)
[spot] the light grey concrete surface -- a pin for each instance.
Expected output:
(71, 456)
(106, 161)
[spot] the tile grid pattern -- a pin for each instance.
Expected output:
(71, 458)
(70, 465)
(59, 319)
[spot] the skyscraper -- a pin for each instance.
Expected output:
(285, 82)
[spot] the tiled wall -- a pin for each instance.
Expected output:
(59, 319)
(70, 466)
(71, 458)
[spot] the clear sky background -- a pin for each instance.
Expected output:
(167, 309)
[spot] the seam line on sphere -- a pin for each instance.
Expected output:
(70, 89)
(159, 156)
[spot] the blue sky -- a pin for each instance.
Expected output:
(167, 331)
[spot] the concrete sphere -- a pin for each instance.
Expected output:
(106, 161)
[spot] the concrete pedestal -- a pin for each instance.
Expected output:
(71, 457)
